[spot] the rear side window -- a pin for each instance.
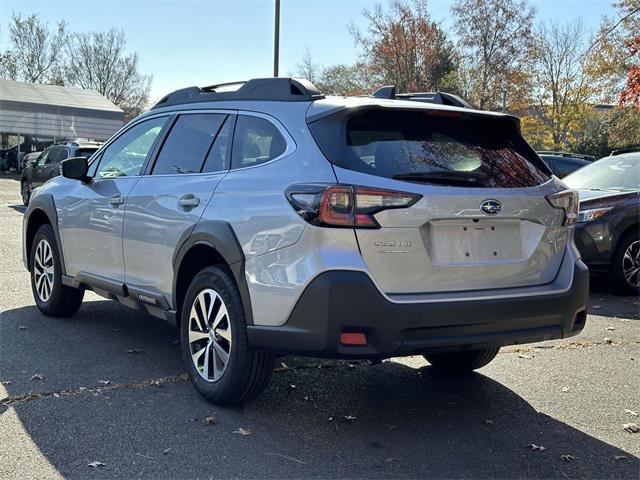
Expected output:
(188, 142)
(57, 155)
(256, 141)
(458, 150)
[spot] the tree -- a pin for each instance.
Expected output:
(630, 94)
(308, 68)
(99, 61)
(563, 87)
(495, 38)
(36, 53)
(346, 80)
(404, 47)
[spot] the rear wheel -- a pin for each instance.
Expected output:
(465, 361)
(222, 366)
(625, 272)
(25, 191)
(52, 297)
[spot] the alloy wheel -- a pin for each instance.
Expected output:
(43, 270)
(631, 264)
(210, 335)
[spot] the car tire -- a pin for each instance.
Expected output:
(52, 297)
(25, 191)
(222, 366)
(626, 260)
(459, 362)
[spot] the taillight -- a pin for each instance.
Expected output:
(345, 205)
(566, 200)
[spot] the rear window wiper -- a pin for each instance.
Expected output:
(443, 177)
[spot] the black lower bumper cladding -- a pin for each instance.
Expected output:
(347, 301)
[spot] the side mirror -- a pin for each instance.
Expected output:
(76, 168)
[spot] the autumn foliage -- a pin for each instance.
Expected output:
(630, 95)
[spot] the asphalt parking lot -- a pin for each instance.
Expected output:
(104, 395)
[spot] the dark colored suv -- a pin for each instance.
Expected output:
(48, 164)
(562, 164)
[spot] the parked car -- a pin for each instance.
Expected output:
(270, 220)
(47, 164)
(562, 163)
(29, 159)
(608, 229)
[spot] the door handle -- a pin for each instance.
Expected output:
(188, 200)
(116, 200)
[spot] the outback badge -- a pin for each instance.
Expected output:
(491, 207)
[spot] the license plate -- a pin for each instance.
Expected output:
(463, 242)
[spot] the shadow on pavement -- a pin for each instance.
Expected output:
(317, 419)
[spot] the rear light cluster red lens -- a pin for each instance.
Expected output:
(345, 205)
(568, 201)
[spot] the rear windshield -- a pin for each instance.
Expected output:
(421, 145)
(85, 152)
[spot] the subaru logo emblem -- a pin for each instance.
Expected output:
(491, 207)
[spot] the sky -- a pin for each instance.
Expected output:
(204, 42)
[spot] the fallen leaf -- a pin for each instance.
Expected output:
(565, 389)
(166, 451)
(488, 422)
(631, 427)
(243, 431)
(349, 418)
(538, 448)
(6, 382)
(522, 355)
(567, 458)
(608, 340)
(620, 457)
(37, 376)
(610, 328)
(210, 420)
(56, 395)
(292, 387)
(630, 412)
(22, 327)
(391, 459)
(134, 351)
(105, 382)
(97, 464)
(156, 383)
(596, 307)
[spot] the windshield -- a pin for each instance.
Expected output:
(446, 148)
(610, 173)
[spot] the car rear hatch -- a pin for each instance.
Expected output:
(481, 218)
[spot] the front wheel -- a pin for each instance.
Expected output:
(625, 271)
(52, 297)
(222, 366)
(464, 361)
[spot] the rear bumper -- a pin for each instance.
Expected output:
(348, 301)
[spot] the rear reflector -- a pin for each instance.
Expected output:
(353, 339)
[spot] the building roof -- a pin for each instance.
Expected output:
(71, 97)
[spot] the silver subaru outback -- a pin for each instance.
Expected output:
(264, 219)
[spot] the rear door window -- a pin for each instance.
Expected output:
(188, 143)
(256, 141)
(432, 147)
(56, 155)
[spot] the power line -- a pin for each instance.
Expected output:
(602, 37)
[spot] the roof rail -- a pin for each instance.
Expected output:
(440, 98)
(281, 89)
(591, 158)
(620, 151)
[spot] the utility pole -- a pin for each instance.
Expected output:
(276, 40)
